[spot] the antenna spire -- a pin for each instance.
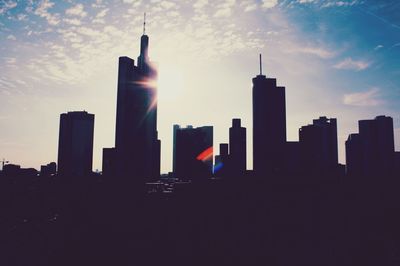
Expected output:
(144, 23)
(260, 65)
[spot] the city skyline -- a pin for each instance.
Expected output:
(182, 85)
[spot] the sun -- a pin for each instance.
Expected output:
(170, 82)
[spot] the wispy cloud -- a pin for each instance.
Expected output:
(76, 10)
(11, 37)
(224, 9)
(340, 3)
(367, 98)
(315, 50)
(42, 11)
(269, 3)
(73, 21)
(350, 64)
(7, 5)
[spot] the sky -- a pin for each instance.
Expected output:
(338, 59)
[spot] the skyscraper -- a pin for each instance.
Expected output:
(175, 129)
(137, 147)
(237, 147)
(194, 153)
(269, 124)
(372, 149)
(75, 144)
(318, 143)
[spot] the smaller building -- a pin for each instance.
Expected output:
(48, 169)
(318, 143)
(194, 153)
(75, 146)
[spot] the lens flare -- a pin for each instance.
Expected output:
(205, 155)
(218, 167)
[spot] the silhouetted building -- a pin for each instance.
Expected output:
(75, 144)
(194, 153)
(269, 125)
(11, 169)
(109, 166)
(293, 155)
(223, 165)
(237, 148)
(354, 155)
(319, 145)
(136, 143)
(174, 130)
(49, 169)
(371, 152)
(397, 163)
(14, 170)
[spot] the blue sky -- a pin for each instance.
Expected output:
(336, 58)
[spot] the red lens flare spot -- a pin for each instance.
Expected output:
(205, 155)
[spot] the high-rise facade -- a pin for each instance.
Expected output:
(318, 144)
(371, 151)
(137, 148)
(237, 147)
(269, 125)
(194, 153)
(75, 146)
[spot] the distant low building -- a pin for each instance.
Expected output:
(49, 169)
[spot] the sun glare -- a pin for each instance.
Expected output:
(170, 83)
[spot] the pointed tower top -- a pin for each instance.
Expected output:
(260, 65)
(144, 23)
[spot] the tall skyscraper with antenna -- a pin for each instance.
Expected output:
(137, 148)
(269, 124)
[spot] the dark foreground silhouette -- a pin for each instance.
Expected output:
(247, 220)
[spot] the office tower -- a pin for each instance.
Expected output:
(174, 130)
(354, 162)
(75, 144)
(109, 162)
(269, 124)
(293, 155)
(222, 161)
(194, 153)
(137, 146)
(397, 163)
(319, 144)
(372, 148)
(237, 147)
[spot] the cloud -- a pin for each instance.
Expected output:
(11, 37)
(367, 98)
(7, 5)
(76, 10)
(339, 3)
(41, 11)
(10, 60)
(224, 9)
(102, 13)
(350, 64)
(74, 21)
(248, 5)
(306, 1)
(269, 3)
(22, 17)
(378, 47)
(313, 50)
(200, 4)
